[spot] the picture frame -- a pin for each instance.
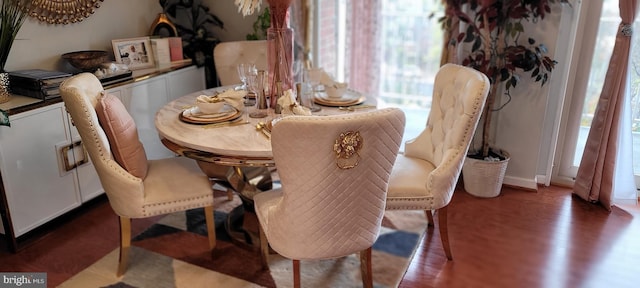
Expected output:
(134, 52)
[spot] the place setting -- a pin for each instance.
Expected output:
(220, 109)
(344, 98)
(330, 93)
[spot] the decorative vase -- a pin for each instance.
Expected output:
(162, 26)
(5, 94)
(279, 51)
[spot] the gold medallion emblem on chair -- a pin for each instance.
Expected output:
(425, 176)
(347, 148)
(322, 210)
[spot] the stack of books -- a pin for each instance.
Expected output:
(37, 83)
(116, 77)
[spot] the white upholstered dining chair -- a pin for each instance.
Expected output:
(136, 187)
(227, 56)
(334, 172)
(424, 177)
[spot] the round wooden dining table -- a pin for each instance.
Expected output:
(234, 154)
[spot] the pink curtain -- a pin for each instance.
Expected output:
(363, 55)
(594, 181)
(300, 12)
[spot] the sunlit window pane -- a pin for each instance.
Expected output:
(604, 46)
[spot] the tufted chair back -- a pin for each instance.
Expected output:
(324, 211)
(459, 94)
(227, 55)
(425, 176)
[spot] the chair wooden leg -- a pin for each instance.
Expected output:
(429, 214)
(296, 273)
(125, 244)
(211, 226)
(365, 268)
(229, 194)
(264, 248)
(444, 231)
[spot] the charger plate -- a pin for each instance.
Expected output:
(350, 97)
(193, 115)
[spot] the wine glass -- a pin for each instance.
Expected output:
(243, 70)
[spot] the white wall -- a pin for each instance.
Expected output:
(236, 26)
(39, 45)
(519, 126)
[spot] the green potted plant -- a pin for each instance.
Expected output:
(490, 35)
(11, 19)
(260, 26)
(195, 23)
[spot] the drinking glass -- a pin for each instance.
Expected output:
(298, 70)
(250, 79)
(259, 84)
(312, 78)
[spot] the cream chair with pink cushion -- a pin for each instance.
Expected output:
(227, 56)
(424, 177)
(136, 187)
(334, 172)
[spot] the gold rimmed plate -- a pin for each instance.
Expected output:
(193, 115)
(350, 97)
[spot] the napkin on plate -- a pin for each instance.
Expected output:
(290, 106)
(232, 97)
(327, 81)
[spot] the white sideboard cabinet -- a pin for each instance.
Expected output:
(44, 169)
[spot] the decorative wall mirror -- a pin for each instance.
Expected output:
(60, 11)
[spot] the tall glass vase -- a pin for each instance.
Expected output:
(279, 51)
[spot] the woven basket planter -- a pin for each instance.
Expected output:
(484, 178)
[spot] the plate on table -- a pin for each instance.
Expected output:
(350, 97)
(193, 115)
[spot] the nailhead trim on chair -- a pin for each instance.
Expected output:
(192, 206)
(420, 207)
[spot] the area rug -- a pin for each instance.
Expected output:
(174, 253)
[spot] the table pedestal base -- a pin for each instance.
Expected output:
(242, 222)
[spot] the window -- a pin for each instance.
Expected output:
(410, 42)
(597, 45)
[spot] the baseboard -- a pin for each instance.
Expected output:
(541, 179)
(523, 183)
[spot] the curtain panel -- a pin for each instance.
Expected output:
(595, 178)
(363, 32)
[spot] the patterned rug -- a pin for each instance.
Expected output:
(174, 253)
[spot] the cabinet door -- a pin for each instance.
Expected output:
(143, 100)
(37, 186)
(184, 81)
(88, 179)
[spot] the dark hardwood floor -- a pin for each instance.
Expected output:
(545, 239)
(520, 239)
